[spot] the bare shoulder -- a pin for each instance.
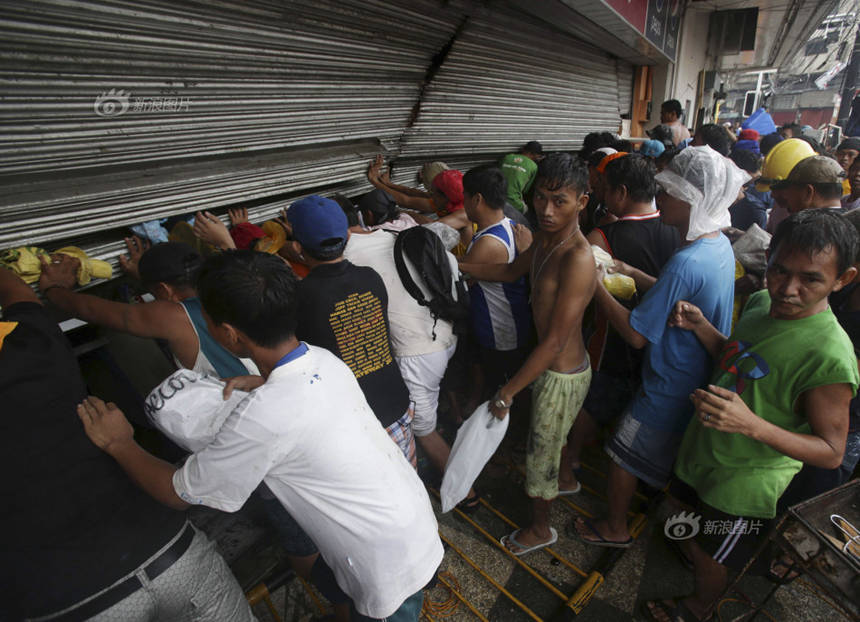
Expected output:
(165, 307)
(165, 317)
(577, 260)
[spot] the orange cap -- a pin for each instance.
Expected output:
(601, 168)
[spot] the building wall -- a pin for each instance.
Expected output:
(692, 59)
(681, 80)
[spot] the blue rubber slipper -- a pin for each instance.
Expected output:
(573, 532)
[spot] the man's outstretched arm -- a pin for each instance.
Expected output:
(617, 314)
(410, 200)
(499, 272)
(111, 432)
(403, 200)
(158, 319)
(688, 316)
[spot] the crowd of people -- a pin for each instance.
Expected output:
(734, 387)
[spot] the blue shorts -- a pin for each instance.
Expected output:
(643, 451)
(409, 611)
(608, 396)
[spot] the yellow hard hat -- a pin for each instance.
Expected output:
(781, 159)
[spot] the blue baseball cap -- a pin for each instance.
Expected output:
(651, 148)
(318, 224)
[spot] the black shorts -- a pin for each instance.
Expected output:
(498, 366)
(729, 539)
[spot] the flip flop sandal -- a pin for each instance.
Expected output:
(470, 505)
(570, 493)
(573, 532)
(527, 549)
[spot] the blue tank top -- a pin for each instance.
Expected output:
(499, 313)
(224, 363)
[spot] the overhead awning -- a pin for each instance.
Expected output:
(643, 32)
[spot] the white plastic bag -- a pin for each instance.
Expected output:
(189, 408)
(477, 441)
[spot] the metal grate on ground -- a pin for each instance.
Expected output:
(556, 582)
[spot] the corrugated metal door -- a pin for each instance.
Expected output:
(116, 112)
(507, 80)
(624, 71)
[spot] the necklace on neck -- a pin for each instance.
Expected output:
(543, 263)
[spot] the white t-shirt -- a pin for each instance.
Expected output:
(411, 324)
(309, 434)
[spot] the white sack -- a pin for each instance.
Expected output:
(477, 441)
(189, 408)
(751, 250)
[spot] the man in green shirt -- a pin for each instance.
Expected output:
(520, 170)
(778, 399)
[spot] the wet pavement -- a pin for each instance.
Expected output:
(500, 588)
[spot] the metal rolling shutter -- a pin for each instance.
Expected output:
(266, 98)
(509, 79)
(624, 71)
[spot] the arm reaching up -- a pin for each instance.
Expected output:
(210, 229)
(419, 203)
(136, 249)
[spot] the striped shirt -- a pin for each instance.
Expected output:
(499, 313)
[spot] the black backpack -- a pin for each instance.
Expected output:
(427, 253)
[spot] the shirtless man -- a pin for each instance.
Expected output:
(563, 280)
